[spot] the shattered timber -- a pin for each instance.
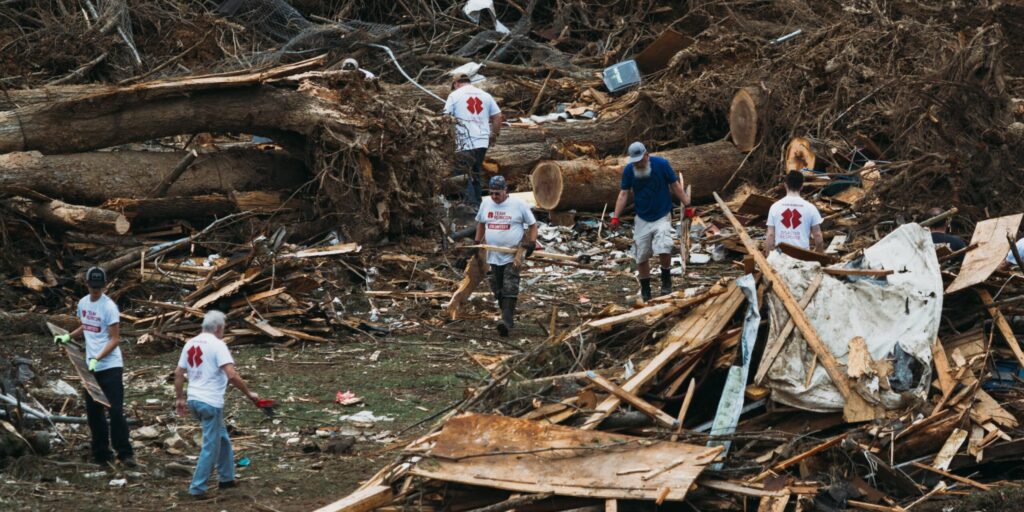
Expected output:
(288, 163)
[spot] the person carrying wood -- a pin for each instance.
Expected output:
(503, 221)
(477, 125)
(793, 220)
(100, 325)
(209, 366)
(653, 183)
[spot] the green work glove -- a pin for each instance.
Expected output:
(62, 338)
(92, 364)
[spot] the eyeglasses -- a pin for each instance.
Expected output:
(496, 192)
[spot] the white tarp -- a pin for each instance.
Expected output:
(903, 311)
(472, 11)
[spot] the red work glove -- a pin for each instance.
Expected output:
(614, 223)
(690, 212)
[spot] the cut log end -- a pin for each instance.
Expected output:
(799, 154)
(122, 225)
(547, 185)
(744, 118)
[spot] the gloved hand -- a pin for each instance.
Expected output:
(92, 364)
(62, 338)
(690, 212)
(614, 224)
(530, 247)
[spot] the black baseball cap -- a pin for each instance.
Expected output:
(95, 277)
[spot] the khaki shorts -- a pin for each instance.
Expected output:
(652, 238)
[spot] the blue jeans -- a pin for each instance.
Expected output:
(216, 447)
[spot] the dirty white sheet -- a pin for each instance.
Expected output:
(903, 311)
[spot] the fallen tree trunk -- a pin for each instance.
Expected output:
(65, 215)
(520, 149)
(92, 178)
(746, 117)
(189, 208)
(589, 185)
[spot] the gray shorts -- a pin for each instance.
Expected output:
(652, 238)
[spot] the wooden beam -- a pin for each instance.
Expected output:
(799, 457)
(1001, 324)
(363, 500)
(856, 408)
(951, 476)
(640, 404)
(865, 272)
(634, 384)
(774, 346)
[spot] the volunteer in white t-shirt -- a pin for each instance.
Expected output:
(209, 366)
(477, 125)
(502, 221)
(100, 322)
(792, 220)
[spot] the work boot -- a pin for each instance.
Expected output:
(508, 311)
(645, 289)
(666, 281)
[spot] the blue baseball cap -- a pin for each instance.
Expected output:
(497, 183)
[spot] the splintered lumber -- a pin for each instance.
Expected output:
(81, 368)
(1004, 327)
(951, 476)
(91, 178)
(634, 384)
(799, 457)
(363, 500)
(476, 270)
(530, 457)
(590, 185)
(990, 235)
(774, 346)
(856, 408)
(746, 116)
(514, 250)
(637, 402)
(70, 216)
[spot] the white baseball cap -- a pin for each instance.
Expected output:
(637, 150)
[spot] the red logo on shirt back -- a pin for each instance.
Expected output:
(474, 105)
(791, 218)
(195, 356)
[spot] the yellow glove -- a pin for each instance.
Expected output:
(62, 338)
(92, 364)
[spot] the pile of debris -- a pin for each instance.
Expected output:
(877, 379)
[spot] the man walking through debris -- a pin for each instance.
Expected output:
(792, 220)
(477, 125)
(100, 325)
(209, 366)
(653, 183)
(939, 235)
(502, 221)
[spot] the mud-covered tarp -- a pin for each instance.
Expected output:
(897, 315)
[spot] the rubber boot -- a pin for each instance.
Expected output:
(666, 281)
(645, 289)
(508, 312)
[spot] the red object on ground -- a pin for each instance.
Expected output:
(690, 213)
(264, 403)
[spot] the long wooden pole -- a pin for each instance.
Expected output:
(856, 409)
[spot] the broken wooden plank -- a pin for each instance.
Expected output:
(81, 368)
(525, 456)
(990, 236)
(637, 402)
(363, 500)
(861, 272)
(799, 457)
(330, 250)
(773, 348)
(1004, 327)
(228, 290)
(807, 254)
(634, 384)
(856, 408)
(949, 448)
(536, 254)
(951, 476)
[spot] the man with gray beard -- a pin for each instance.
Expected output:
(652, 182)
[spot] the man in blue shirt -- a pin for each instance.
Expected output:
(652, 182)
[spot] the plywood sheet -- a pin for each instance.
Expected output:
(81, 368)
(526, 456)
(991, 237)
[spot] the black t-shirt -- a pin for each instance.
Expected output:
(954, 243)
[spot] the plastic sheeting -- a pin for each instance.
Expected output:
(898, 317)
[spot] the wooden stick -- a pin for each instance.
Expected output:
(512, 250)
(536, 100)
(799, 457)
(683, 409)
(1001, 324)
(954, 254)
(1015, 252)
(640, 404)
(939, 218)
(951, 476)
(857, 272)
(183, 165)
(774, 347)
(856, 408)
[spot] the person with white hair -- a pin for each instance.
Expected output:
(209, 366)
